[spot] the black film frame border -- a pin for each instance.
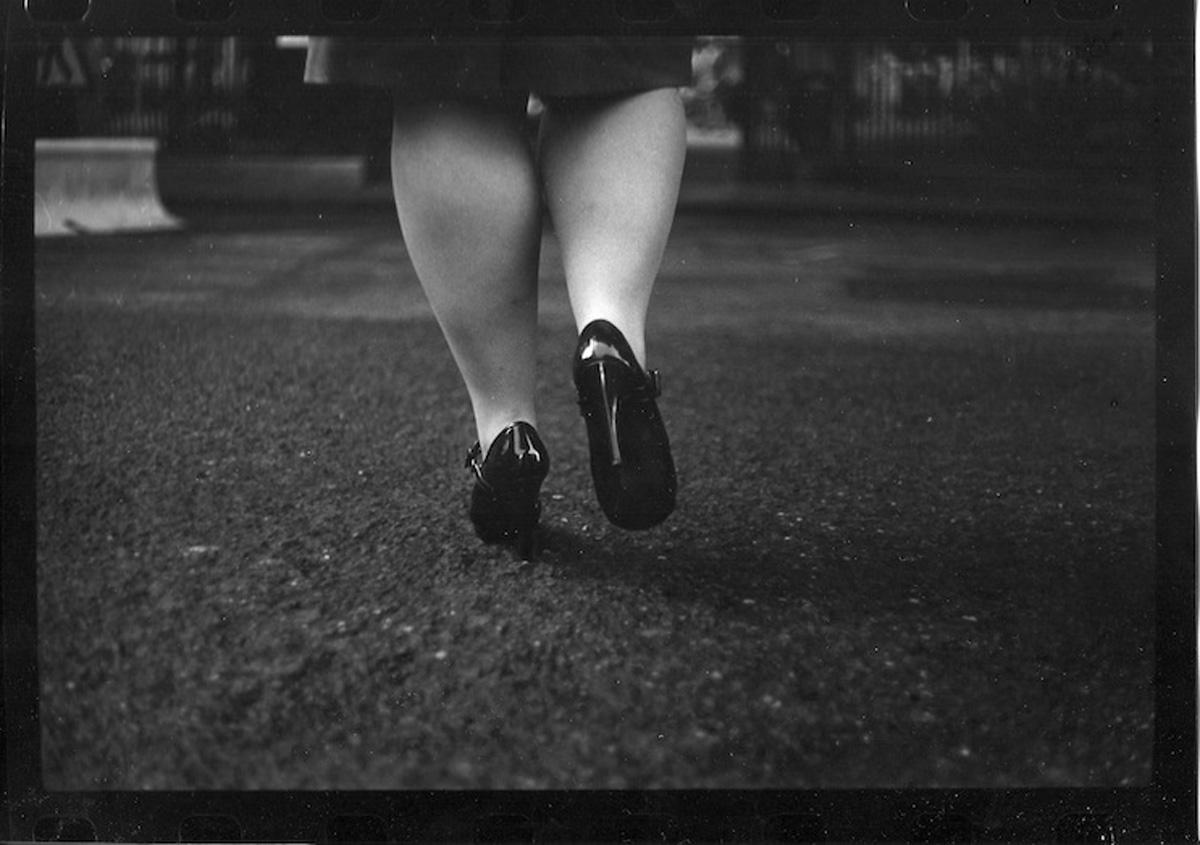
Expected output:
(1164, 811)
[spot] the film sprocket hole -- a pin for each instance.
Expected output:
(57, 11)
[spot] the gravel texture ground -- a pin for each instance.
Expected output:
(914, 544)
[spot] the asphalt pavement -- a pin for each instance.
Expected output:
(914, 544)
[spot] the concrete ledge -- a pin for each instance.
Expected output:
(96, 186)
(265, 179)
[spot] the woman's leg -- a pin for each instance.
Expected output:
(468, 200)
(611, 171)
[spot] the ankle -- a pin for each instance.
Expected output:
(488, 430)
(633, 331)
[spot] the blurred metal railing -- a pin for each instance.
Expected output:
(1037, 102)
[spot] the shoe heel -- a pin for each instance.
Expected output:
(525, 517)
(525, 543)
(526, 504)
(600, 390)
(603, 371)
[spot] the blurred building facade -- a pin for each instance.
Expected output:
(791, 108)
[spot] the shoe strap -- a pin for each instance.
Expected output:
(474, 460)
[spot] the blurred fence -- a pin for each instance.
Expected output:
(1034, 103)
(203, 95)
(797, 106)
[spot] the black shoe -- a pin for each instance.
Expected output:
(630, 454)
(505, 506)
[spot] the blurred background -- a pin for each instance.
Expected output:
(760, 111)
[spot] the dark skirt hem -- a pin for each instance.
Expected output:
(579, 67)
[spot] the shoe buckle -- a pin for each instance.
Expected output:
(654, 383)
(473, 456)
